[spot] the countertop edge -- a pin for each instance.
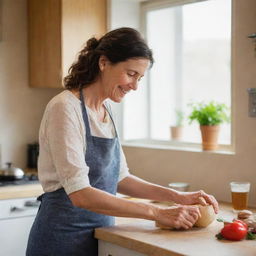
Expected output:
(20, 191)
(132, 244)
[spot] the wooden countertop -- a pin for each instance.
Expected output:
(20, 191)
(142, 236)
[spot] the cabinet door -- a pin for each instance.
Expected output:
(14, 235)
(44, 43)
(16, 219)
(109, 249)
(80, 21)
(57, 30)
(17, 208)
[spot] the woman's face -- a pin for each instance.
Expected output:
(118, 79)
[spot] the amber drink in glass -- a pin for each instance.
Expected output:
(240, 194)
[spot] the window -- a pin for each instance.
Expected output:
(192, 51)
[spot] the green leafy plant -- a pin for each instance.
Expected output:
(212, 113)
(179, 117)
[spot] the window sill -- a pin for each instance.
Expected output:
(177, 146)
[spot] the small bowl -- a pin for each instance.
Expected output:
(180, 186)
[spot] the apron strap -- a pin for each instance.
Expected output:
(108, 108)
(85, 116)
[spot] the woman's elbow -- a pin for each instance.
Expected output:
(77, 198)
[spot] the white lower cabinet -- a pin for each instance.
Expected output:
(16, 219)
(109, 249)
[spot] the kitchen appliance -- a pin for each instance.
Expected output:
(32, 155)
(11, 173)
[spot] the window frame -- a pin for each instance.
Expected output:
(151, 5)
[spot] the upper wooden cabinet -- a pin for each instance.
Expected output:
(57, 30)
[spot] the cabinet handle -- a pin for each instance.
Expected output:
(17, 209)
(32, 203)
(27, 205)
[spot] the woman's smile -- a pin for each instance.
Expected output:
(123, 90)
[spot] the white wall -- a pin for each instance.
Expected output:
(21, 107)
(122, 13)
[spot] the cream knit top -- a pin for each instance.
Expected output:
(62, 141)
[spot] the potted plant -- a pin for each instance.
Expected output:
(177, 129)
(209, 116)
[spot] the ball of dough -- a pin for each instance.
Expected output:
(207, 216)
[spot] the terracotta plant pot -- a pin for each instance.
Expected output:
(176, 132)
(210, 136)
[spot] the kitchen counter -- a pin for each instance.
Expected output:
(143, 237)
(20, 191)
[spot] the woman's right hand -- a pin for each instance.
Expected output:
(178, 216)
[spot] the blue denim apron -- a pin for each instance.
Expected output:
(61, 229)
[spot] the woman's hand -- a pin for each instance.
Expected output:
(198, 197)
(179, 216)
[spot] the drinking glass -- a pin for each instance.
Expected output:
(240, 194)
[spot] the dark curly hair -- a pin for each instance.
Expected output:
(117, 45)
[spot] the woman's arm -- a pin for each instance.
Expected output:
(105, 203)
(136, 187)
(102, 202)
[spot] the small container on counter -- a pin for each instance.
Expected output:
(180, 186)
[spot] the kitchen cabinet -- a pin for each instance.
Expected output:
(16, 219)
(57, 29)
(109, 249)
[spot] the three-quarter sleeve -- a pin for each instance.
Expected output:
(66, 144)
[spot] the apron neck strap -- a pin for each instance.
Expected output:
(85, 115)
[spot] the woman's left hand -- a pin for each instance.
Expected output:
(197, 197)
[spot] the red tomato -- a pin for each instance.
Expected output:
(234, 231)
(242, 222)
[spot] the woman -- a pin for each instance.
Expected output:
(81, 162)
